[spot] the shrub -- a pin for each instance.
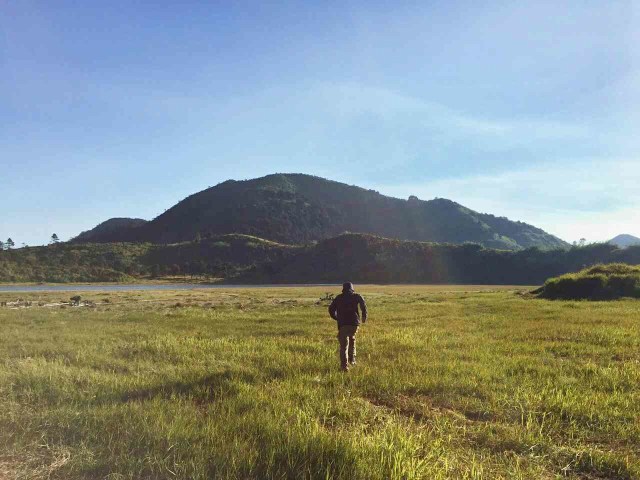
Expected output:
(600, 282)
(613, 268)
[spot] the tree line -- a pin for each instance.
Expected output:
(9, 243)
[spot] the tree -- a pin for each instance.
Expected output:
(200, 267)
(10, 243)
(1, 245)
(54, 238)
(583, 242)
(155, 270)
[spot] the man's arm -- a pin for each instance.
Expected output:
(332, 310)
(363, 308)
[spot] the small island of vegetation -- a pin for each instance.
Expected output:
(600, 282)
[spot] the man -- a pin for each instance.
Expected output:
(344, 310)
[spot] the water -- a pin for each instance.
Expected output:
(134, 287)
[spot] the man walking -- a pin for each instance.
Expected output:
(344, 310)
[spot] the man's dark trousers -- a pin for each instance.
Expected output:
(347, 339)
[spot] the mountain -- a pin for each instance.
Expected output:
(625, 240)
(112, 230)
(298, 209)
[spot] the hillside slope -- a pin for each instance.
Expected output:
(225, 256)
(297, 209)
(112, 230)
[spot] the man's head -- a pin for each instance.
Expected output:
(347, 287)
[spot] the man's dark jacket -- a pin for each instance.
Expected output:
(344, 309)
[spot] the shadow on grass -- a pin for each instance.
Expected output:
(201, 390)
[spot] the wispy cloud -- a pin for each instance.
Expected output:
(595, 199)
(350, 100)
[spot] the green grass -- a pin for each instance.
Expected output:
(452, 382)
(600, 282)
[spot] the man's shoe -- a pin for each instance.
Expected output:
(353, 362)
(345, 368)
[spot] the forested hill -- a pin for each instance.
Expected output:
(298, 209)
(371, 259)
(356, 257)
(225, 256)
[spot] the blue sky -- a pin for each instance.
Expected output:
(522, 109)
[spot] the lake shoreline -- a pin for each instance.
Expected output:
(124, 287)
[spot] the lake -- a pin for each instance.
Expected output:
(133, 287)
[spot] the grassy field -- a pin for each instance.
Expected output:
(452, 382)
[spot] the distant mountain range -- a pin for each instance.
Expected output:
(299, 209)
(625, 240)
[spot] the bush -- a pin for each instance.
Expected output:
(613, 268)
(600, 282)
